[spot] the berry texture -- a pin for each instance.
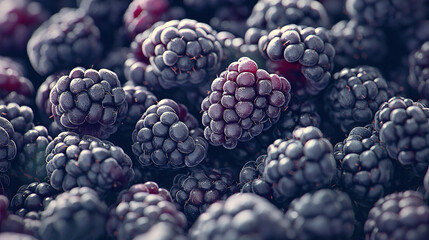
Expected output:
(304, 55)
(244, 101)
(402, 215)
(252, 181)
(182, 53)
(403, 126)
(355, 96)
(86, 161)
(76, 214)
(418, 77)
(167, 136)
(302, 164)
(89, 102)
(7, 146)
(366, 169)
(161, 231)
(21, 118)
(139, 209)
(195, 191)
(324, 214)
(244, 216)
(76, 42)
(32, 199)
(16, 236)
(42, 96)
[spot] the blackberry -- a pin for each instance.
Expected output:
(366, 169)
(335, 9)
(7, 147)
(115, 62)
(386, 13)
(244, 102)
(182, 53)
(402, 215)
(355, 96)
(21, 118)
(20, 19)
(299, 165)
(16, 236)
(270, 15)
(141, 208)
(252, 181)
(167, 136)
(89, 102)
(85, 161)
(243, 216)
(16, 224)
(304, 55)
(161, 231)
(195, 191)
(416, 35)
(403, 126)
(32, 199)
(357, 44)
(14, 87)
(418, 77)
(76, 214)
(42, 95)
(76, 42)
(324, 214)
(30, 163)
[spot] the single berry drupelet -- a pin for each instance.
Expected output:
(241, 216)
(21, 118)
(7, 146)
(89, 102)
(244, 101)
(401, 215)
(354, 96)
(68, 39)
(300, 165)
(325, 214)
(304, 55)
(270, 15)
(418, 77)
(78, 214)
(196, 190)
(182, 53)
(167, 136)
(85, 161)
(403, 127)
(32, 199)
(251, 178)
(357, 44)
(140, 208)
(366, 168)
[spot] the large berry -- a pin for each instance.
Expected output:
(14, 87)
(7, 146)
(244, 102)
(418, 77)
(251, 178)
(21, 118)
(89, 102)
(31, 199)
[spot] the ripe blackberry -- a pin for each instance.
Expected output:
(78, 161)
(304, 55)
(402, 215)
(270, 15)
(252, 181)
(115, 62)
(16, 236)
(167, 136)
(244, 102)
(20, 19)
(386, 13)
(182, 53)
(21, 118)
(30, 163)
(139, 209)
(42, 95)
(32, 199)
(403, 126)
(241, 216)
(76, 42)
(366, 169)
(300, 165)
(355, 96)
(89, 102)
(324, 214)
(335, 9)
(195, 191)
(161, 231)
(7, 146)
(418, 77)
(76, 214)
(357, 44)
(426, 181)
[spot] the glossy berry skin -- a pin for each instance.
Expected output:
(304, 55)
(401, 215)
(80, 160)
(8, 146)
(32, 199)
(243, 102)
(245, 216)
(366, 168)
(251, 178)
(49, 53)
(167, 136)
(354, 96)
(418, 77)
(299, 165)
(75, 214)
(21, 118)
(324, 214)
(403, 126)
(14, 87)
(89, 102)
